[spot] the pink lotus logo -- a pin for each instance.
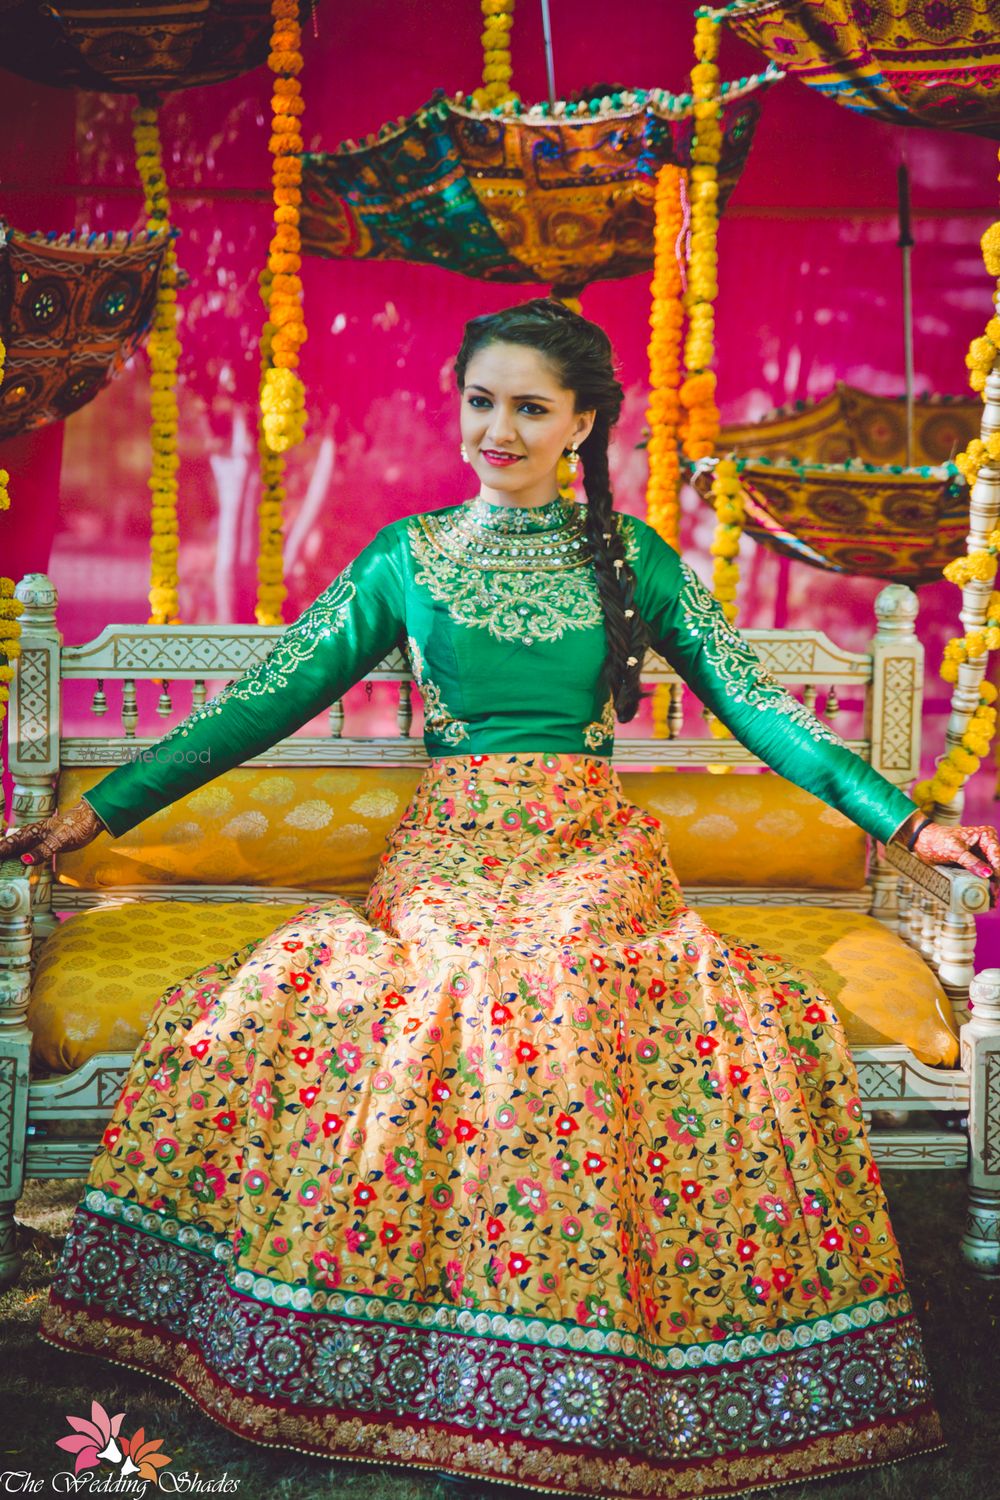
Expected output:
(98, 1439)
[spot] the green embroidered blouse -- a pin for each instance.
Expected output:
(498, 610)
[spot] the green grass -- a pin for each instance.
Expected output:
(958, 1312)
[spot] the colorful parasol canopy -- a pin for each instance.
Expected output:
(913, 62)
(561, 195)
(72, 313)
(824, 483)
(121, 46)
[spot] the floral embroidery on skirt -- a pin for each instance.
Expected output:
(525, 1172)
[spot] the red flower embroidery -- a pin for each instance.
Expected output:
(656, 1160)
(746, 1249)
(292, 946)
(389, 1233)
(705, 1045)
(304, 1055)
(781, 1278)
(494, 1229)
(300, 981)
(225, 1120)
(657, 989)
(526, 1052)
(465, 1130)
(832, 1240)
(815, 1013)
(308, 1095)
(874, 1175)
(440, 1090)
(394, 1000)
(200, 1048)
(332, 1124)
(738, 1075)
(518, 1264)
(500, 1013)
(592, 1163)
(111, 1135)
(690, 1189)
(566, 1125)
(363, 1194)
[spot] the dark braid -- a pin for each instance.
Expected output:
(581, 355)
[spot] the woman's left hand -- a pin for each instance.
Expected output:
(974, 848)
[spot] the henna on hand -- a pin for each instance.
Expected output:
(975, 848)
(61, 832)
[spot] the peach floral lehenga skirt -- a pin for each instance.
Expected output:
(527, 1174)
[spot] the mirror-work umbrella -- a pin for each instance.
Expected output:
(71, 314)
(118, 46)
(560, 195)
(914, 62)
(824, 483)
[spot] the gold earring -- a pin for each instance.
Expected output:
(465, 454)
(573, 459)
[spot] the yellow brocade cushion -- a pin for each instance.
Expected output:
(101, 972)
(324, 828)
(882, 990)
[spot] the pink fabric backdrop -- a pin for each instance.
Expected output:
(809, 294)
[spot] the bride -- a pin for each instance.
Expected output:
(524, 1173)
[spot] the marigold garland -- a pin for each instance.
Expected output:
(271, 590)
(700, 422)
(977, 566)
(700, 425)
(730, 512)
(10, 608)
(663, 413)
(498, 19)
(283, 400)
(954, 768)
(164, 351)
(666, 321)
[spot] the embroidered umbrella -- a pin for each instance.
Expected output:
(118, 47)
(913, 62)
(560, 194)
(72, 312)
(823, 482)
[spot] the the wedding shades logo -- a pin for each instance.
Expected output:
(98, 1440)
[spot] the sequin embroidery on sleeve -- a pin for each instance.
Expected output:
(746, 678)
(324, 618)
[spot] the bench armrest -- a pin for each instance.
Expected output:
(957, 889)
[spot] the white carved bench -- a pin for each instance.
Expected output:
(920, 1115)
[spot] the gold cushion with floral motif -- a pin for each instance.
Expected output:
(884, 992)
(100, 973)
(324, 828)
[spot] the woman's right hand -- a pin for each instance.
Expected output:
(72, 829)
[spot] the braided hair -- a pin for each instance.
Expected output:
(580, 353)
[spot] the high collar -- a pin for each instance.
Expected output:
(520, 518)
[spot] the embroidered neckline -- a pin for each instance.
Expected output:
(520, 518)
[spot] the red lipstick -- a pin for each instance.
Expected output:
(500, 460)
